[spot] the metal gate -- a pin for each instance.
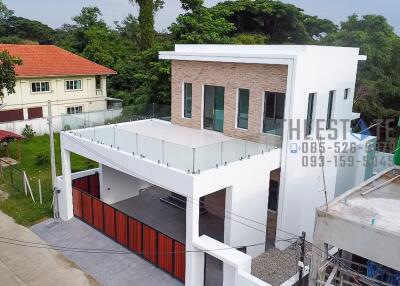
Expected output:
(158, 248)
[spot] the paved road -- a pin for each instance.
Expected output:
(28, 266)
(108, 269)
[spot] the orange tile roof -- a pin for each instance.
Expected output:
(48, 60)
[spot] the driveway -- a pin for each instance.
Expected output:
(109, 269)
(21, 265)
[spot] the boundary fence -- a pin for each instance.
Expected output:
(157, 248)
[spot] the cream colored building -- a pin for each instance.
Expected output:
(73, 84)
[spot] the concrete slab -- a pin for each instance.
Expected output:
(32, 263)
(126, 269)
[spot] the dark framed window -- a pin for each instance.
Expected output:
(346, 93)
(98, 82)
(310, 113)
(330, 109)
(274, 109)
(73, 85)
(187, 100)
(243, 108)
(40, 86)
(74, 110)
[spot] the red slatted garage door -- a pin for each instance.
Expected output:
(149, 244)
(98, 214)
(122, 228)
(135, 235)
(180, 258)
(165, 254)
(109, 221)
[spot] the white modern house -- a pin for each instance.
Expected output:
(73, 84)
(249, 128)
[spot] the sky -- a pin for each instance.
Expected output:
(57, 12)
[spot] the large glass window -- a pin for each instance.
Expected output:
(310, 113)
(40, 86)
(187, 100)
(243, 108)
(330, 109)
(274, 108)
(73, 85)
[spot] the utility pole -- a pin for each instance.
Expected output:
(302, 256)
(52, 160)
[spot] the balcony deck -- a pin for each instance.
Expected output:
(186, 149)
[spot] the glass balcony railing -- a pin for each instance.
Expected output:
(184, 158)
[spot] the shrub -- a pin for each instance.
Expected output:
(41, 160)
(28, 132)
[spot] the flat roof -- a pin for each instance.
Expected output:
(163, 130)
(253, 53)
(376, 203)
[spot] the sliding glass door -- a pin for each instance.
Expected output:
(213, 117)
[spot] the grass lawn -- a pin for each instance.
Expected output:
(20, 207)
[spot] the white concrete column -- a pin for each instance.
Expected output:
(318, 257)
(65, 196)
(194, 260)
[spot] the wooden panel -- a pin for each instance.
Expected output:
(135, 235)
(87, 208)
(122, 228)
(109, 221)
(165, 255)
(149, 244)
(11, 115)
(98, 214)
(81, 184)
(180, 256)
(35, 112)
(95, 186)
(77, 203)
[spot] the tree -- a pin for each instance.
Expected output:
(7, 73)
(378, 84)
(147, 8)
(201, 25)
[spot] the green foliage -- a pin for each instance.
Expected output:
(202, 25)
(41, 160)
(249, 39)
(147, 8)
(28, 132)
(378, 85)
(279, 22)
(7, 72)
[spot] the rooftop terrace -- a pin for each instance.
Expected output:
(186, 149)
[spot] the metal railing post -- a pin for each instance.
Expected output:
(194, 159)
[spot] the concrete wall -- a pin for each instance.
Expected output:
(317, 70)
(255, 77)
(116, 186)
(73, 121)
(88, 97)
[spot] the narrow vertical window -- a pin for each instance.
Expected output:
(330, 109)
(187, 100)
(243, 109)
(98, 82)
(346, 93)
(310, 113)
(274, 109)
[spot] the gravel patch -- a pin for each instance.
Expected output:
(276, 266)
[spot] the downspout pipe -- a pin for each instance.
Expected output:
(396, 158)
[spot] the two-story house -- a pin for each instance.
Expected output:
(257, 132)
(72, 83)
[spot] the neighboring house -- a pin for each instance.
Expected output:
(72, 83)
(237, 166)
(364, 226)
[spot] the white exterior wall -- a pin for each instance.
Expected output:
(116, 186)
(315, 71)
(88, 97)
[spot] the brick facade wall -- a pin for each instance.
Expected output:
(258, 78)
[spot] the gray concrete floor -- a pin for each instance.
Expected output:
(171, 221)
(107, 269)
